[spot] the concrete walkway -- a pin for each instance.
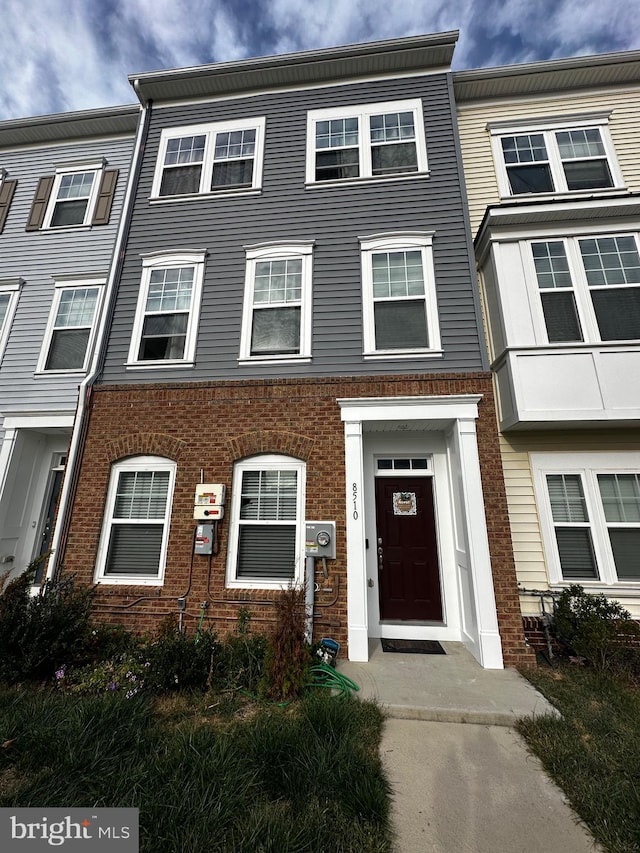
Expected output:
(471, 788)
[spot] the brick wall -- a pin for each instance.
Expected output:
(207, 427)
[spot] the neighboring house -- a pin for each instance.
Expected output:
(297, 320)
(62, 184)
(551, 153)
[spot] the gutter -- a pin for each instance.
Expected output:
(81, 422)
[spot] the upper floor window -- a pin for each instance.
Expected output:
(266, 536)
(589, 288)
(366, 141)
(277, 309)
(166, 322)
(75, 195)
(399, 300)
(209, 158)
(71, 327)
(135, 528)
(555, 158)
(9, 293)
(590, 512)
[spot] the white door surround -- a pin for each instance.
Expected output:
(444, 429)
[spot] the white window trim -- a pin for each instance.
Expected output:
(362, 112)
(135, 463)
(166, 260)
(580, 287)
(278, 251)
(423, 241)
(264, 463)
(12, 287)
(61, 171)
(60, 286)
(256, 123)
(587, 466)
(548, 128)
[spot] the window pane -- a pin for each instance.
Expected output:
(5, 298)
(552, 267)
(170, 289)
(76, 307)
(275, 331)
(266, 551)
(610, 261)
(68, 349)
(181, 180)
(163, 337)
(337, 133)
(187, 149)
(625, 544)
(75, 186)
(394, 159)
(278, 281)
(141, 495)
(561, 316)
(397, 274)
(69, 213)
(269, 495)
(526, 148)
(567, 498)
(237, 143)
(232, 173)
(334, 165)
(576, 144)
(620, 494)
(576, 553)
(587, 175)
(134, 549)
(400, 325)
(530, 179)
(618, 313)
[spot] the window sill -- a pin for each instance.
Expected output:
(367, 179)
(404, 354)
(267, 360)
(157, 365)
(564, 195)
(72, 372)
(55, 229)
(129, 581)
(262, 584)
(629, 589)
(230, 193)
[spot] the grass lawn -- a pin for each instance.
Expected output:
(593, 752)
(258, 780)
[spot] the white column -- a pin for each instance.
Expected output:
(356, 564)
(490, 646)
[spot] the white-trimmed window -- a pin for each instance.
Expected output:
(366, 141)
(68, 339)
(400, 309)
(78, 194)
(277, 307)
(266, 537)
(556, 156)
(9, 294)
(210, 158)
(135, 530)
(589, 287)
(590, 514)
(166, 323)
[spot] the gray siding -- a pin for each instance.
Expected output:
(334, 217)
(38, 256)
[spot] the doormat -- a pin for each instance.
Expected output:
(413, 647)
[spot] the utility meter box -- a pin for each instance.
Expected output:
(209, 502)
(320, 539)
(204, 539)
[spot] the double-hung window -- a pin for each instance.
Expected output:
(136, 522)
(589, 287)
(9, 294)
(78, 194)
(277, 307)
(210, 158)
(555, 158)
(399, 300)
(591, 516)
(366, 141)
(166, 323)
(266, 539)
(72, 323)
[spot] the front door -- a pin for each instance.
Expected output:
(49, 515)
(407, 553)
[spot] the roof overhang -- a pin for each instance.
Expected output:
(554, 75)
(392, 57)
(75, 125)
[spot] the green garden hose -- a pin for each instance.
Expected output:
(323, 675)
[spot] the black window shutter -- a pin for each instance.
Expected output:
(105, 197)
(40, 201)
(6, 194)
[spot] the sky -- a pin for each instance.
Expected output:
(60, 55)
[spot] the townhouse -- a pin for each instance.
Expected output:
(62, 186)
(295, 386)
(552, 164)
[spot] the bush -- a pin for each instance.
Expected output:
(288, 656)
(38, 634)
(594, 626)
(240, 664)
(175, 661)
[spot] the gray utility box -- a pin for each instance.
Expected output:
(320, 539)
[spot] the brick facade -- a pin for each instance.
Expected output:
(206, 428)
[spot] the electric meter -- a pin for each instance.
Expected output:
(320, 539)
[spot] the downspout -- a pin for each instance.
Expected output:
(81, 422)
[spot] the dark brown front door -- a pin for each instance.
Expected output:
(408, 574)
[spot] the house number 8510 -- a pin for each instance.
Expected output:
(354, 492)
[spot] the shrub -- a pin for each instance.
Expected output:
(175, 661)
(288, 655)
(40, 633)
(240, 664)
(594, 626)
